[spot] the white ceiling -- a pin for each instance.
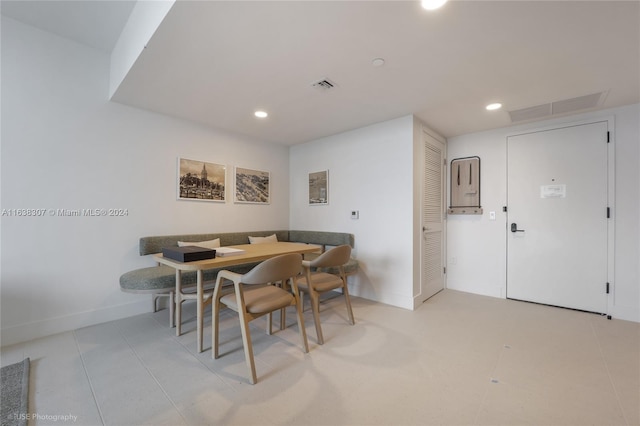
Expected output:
(96, 23)
(216, 62)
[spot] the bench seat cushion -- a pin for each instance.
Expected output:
(162, 278)
(155, 279)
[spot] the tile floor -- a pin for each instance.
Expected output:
(460, 359)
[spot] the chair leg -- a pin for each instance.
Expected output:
(283, 312)
(347, 300)
(302, 330)
(248, 348)
(283, 318)
(270, 323)
(315, 308)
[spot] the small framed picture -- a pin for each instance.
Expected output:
(319, 188)
(252, 186)
(201, 181)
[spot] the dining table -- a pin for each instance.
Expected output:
(251, 253)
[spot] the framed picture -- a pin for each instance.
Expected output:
(319, 188)
(201, 181)
(252, 186)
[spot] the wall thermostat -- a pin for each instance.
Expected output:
(355, 214)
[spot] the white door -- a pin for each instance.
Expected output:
(557, 217)
(432, 247)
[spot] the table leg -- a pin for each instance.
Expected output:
(178, 297)
(200, 301)
(172, 310)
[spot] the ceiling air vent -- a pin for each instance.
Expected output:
(558, 107)
(324, 85)
(530, 113)
(576, 104)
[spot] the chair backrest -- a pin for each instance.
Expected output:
(333, 257)
(275, 269)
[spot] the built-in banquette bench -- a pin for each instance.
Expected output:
(160, 280)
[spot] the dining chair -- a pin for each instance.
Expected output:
(314, 281)
(254, 295)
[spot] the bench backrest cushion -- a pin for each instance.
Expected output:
(322, 238)
(152, 245)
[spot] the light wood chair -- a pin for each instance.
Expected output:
(315, 282)
(264, 298)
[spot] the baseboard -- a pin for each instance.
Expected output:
(625, 313)
(476, 288)
(34, 330)
(392, 299)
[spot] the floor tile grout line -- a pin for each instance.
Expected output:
(505, 346)
(155, 379)
(86, 373)
(491, 399)
(189, 351)
(488, 385)
(231, 316)
(223, 379)
(176, 338)
(606, 367)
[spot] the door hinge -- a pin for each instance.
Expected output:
(444, 270)
(608, 213)
(504, 209)
(607, 288)
(608, 137)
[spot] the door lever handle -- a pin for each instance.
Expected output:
(514, 228)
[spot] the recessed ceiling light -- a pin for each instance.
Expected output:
(260, 114)
(377, 62)
(433, 4)
(493, 107)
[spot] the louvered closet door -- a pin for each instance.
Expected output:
(432, 279)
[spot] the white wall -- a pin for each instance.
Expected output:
(477, 246)
(144, 20)
(64, 146)
(370, 170)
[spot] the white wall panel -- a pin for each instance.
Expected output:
(476, 245)
(370, 170)
(65, 146)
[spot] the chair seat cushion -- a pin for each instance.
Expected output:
(322, 281)
(262, 299)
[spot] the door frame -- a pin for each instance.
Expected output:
(610, 120)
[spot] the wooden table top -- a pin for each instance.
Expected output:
(253, 253)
